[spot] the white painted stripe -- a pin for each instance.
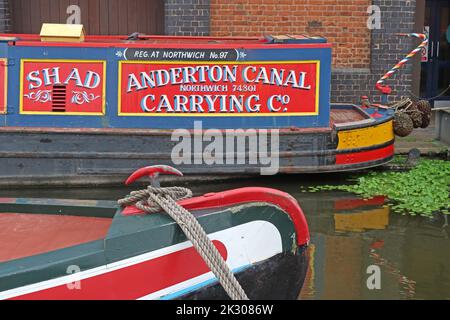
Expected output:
(246, 244)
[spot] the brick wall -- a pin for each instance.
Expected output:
(5, 18)
(360, 56)
(343, 23)
(397, 16)
(187, 17)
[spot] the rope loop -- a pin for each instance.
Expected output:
(153, 200)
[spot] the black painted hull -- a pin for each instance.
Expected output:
(279, 278)
(39, 156)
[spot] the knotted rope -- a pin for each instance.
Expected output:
(153, 200)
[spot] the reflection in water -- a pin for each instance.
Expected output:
(309, 291)
(348, 235)
(408, 287)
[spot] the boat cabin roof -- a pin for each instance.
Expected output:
(178, 41)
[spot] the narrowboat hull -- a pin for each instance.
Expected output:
(68, 156)
(88, 112)
(74, 249)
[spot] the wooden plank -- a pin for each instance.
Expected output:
(63, 4)
(159, 17)
(15, 7)
(55, 16)
(45, 11)
(35, 18)
(148, 18)
(26, 17)
(84, 6)
(152, 21)
(103, 17)
(113, 13)
(132, 16)
(94, 23)
(98, 16)
(143, 15)
(123, 17)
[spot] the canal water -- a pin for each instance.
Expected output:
(348, 237)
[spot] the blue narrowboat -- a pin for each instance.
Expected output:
(89, 109)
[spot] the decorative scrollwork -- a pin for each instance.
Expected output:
(40, 96)
(80, 97)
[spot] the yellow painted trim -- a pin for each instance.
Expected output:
(374, 219)
(152, 114)
(366, 137)
(5, 85)
(22, 62)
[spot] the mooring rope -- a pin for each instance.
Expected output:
(153, 200)
(429, 98)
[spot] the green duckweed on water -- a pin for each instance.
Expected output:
(422, 190)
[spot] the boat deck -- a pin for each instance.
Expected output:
(23, 235)
(338, 116)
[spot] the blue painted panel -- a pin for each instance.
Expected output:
(111, 118)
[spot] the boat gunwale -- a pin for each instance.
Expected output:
(366, 125)
(165, 132)
(336, 168)
(231, 46)
(148, 132)
(66, 207)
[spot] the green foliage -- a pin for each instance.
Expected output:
(422, 190)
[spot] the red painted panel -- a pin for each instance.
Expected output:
(219, 89)
(135, 281)
(365, 156)
(62, 87)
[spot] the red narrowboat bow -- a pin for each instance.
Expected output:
(74, 249)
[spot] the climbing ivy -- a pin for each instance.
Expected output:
(422, 190)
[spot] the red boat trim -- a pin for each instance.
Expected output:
(37, 37)
(132, 282)
(245, 195)
(24, 43)
(365, 156)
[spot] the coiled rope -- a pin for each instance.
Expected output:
(153, 200)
